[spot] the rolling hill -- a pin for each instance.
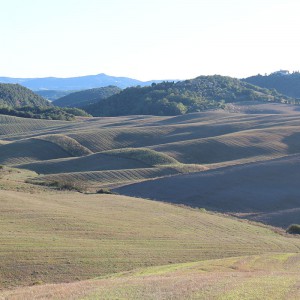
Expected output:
(265, 191)
(86, 97)
(170, 98)
(241, 161)
(16, 100)
(287, 84)
(215, 148)
(15, 95)
(52, 95)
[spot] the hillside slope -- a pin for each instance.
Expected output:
(199, 141)
(52, 94)
(86, 97)
(287, 84)
(265, 191)
(16, 100)
(243, 160)
(17, 95)
(68, 236)
(28, 150)
(169, 98)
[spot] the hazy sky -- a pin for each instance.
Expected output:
(155, 39)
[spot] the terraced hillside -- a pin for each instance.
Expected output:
(94, 162)
(91, 152)
(13, 126)
(29, 150)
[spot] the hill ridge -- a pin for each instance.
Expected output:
(177, 98)
(15, 95)
(86, 97)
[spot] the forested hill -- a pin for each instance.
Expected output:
(16, 100)
(86, 97)
(287, 84)
(16, 95)
(53, 94)
(169, 98)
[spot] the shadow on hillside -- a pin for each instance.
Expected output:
(293, 143)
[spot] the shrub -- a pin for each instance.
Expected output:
(293, 229)
(69, 185)
(104, 191)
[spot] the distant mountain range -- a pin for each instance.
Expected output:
(76, 83)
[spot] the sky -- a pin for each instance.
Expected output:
(148, 39)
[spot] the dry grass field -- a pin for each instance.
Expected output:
(48, 236)
(243, 163)
(270, 277)
(53, 236)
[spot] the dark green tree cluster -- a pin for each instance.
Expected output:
(17, 95)
(159, 99)
(46, 112)
(227, 89)
(293, 229)
(170, 98)
(16, 100)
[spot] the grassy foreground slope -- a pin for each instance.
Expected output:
(53, 237)
(270, 277)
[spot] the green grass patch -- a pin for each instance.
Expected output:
(68, 144)
(147, 156)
